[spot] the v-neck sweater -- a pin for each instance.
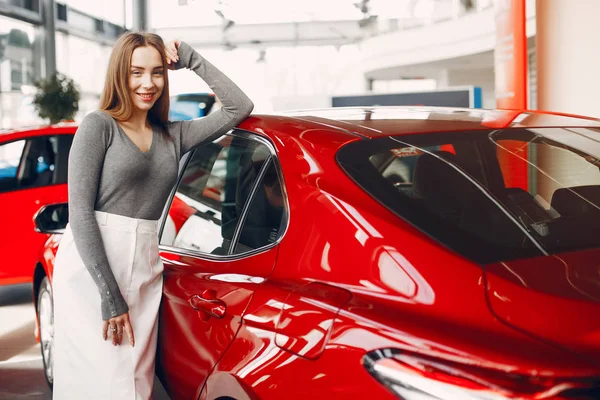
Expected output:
(109, 172)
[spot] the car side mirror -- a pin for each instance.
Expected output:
(52, 218)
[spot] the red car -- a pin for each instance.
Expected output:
(33, 172)
(381, 253)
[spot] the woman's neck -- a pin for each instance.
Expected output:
(138, 120)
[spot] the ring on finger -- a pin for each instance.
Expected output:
(113, 329)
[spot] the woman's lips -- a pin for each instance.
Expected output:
(146, 96)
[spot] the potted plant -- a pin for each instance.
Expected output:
(57, 98)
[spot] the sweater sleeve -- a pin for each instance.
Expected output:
(236, 106)
(86, 159)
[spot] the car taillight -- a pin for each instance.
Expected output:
(415, 377)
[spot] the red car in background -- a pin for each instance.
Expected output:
(33, 172)
(381, 253)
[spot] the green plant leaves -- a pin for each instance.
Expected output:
(57, 98)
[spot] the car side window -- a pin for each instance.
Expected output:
(10, 157)
(263, 222)
(35, 162)
(38, 165)
(214, 188)
(398, 166)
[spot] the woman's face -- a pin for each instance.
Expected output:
(146, 77)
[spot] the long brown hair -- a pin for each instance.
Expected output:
(115, 99)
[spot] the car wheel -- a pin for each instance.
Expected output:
(46, 318)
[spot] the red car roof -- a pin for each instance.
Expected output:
(58, 129)
(349, 123)
(337, 125)
(374, 122)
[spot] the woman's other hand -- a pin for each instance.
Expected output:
(117, 327)
(171, 53)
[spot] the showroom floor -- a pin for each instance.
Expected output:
(21, 371)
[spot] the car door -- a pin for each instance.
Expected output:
(218, 244)
(33, 172)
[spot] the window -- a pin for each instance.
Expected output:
(33, 163)
(45, 161)
(399, 166)
(17, 42)
(38, 165)
(10, 156)
(541, 167)
(263, 222)
(488, 195)
(216, 184)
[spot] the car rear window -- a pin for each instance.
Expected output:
(490, 195)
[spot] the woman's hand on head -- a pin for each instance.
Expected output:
(116, 327)
(171, 52)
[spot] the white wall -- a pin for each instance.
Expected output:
(568, 58)
(484, 78)
(308, 73)
(471, 34)
(403, 85)
(307, 77)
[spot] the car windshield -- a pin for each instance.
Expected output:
(489, 195)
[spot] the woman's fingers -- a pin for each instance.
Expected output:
(104, 330)
(174, 46)
(119, 334)
(129, 330)
(171, 59)
(113, 331)
(171, 52)
(117, 327)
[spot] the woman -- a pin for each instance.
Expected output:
(122, 166)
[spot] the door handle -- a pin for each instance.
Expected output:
(209, 304)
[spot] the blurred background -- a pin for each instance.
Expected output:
(285, 54)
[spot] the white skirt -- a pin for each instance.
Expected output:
(85, 365)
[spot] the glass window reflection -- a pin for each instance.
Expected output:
(10, 155)
(263, 223)
(16, 53)
(213, 191)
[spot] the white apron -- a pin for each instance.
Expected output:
(86, 366)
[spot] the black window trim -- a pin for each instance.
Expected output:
(238, 228)
(232, 257)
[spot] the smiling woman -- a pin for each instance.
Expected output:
(122, 167)
(136, 81)
(146, 80)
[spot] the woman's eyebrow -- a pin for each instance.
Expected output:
(142, 68)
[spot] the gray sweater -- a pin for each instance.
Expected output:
(108, 172)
